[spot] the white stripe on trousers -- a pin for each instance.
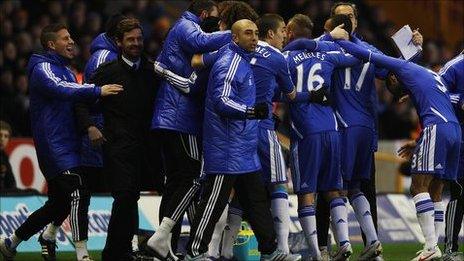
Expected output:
(186, 201)
(426, 155)
(207, 214)
(272, 156)
(450, 224)
(277, 163)
(191, 211)
(193, 147)
(75, 215)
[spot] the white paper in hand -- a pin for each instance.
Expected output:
(403, 40)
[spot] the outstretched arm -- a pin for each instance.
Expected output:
(390, 63)
(311, 45)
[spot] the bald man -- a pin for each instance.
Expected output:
(230, 148)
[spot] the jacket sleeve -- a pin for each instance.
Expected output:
(311, 45)
(52, 86)
(387, 62)
(224, 92)
(194, 40)
(210, 58)
(341, 60)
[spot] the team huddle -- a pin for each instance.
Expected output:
(220, 70)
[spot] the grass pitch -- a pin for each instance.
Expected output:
(392, 252)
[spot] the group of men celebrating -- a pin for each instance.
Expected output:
(213, 118)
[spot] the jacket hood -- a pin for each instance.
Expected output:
(50, 57)
(191, 17)
(102, 41)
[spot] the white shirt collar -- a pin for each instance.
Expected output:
(130, 63)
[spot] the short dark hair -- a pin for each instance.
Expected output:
(233, 11)
(126, 25)
(112, 25)
(49, 33)
(339, 19)
(396, 89)
(268, 22)
(304, 25)
(198, 6)
(355, 10)
(5, 126)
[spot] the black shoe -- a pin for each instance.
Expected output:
(48, 248)
(153, 253)
(139, 256)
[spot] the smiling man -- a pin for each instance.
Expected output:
(53, 90)
(127, 121)
(230, 148)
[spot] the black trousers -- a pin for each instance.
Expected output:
(181, 155)
(124, 163)
(323, 210)
(96, 179)
(454, 215)
(67, 195)
(250, 192)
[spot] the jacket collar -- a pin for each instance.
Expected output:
(61, 60)
(191, 17)
(242, 52)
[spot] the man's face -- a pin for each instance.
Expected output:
(4, 138)
(132, 44)
(63, 45)
(280, 36)
(247, 37)
(349, 11)
(290, 32)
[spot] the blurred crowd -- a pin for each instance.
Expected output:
(21, 22)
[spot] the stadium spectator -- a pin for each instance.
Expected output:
(7, 180)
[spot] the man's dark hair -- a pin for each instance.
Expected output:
(268, 22)
(126, 25)
(233, 11)
(395, 88)
(355, 10)
(112, 25)
(5, 126)
(339, 19)
(49, 33)
(303, 26)
(198, 6)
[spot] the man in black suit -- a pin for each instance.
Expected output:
(127, 122)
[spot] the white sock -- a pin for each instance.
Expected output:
(15, 240)
(281, 216)
(213, 247)
(234, 222)
(81, 249)
(159, 240)
(50, 232)
(439, 217)
(307, 217)
(424, 212)
(362, 210)
(135, 243)
(339, 215)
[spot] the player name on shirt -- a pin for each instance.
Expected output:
(300, 57)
